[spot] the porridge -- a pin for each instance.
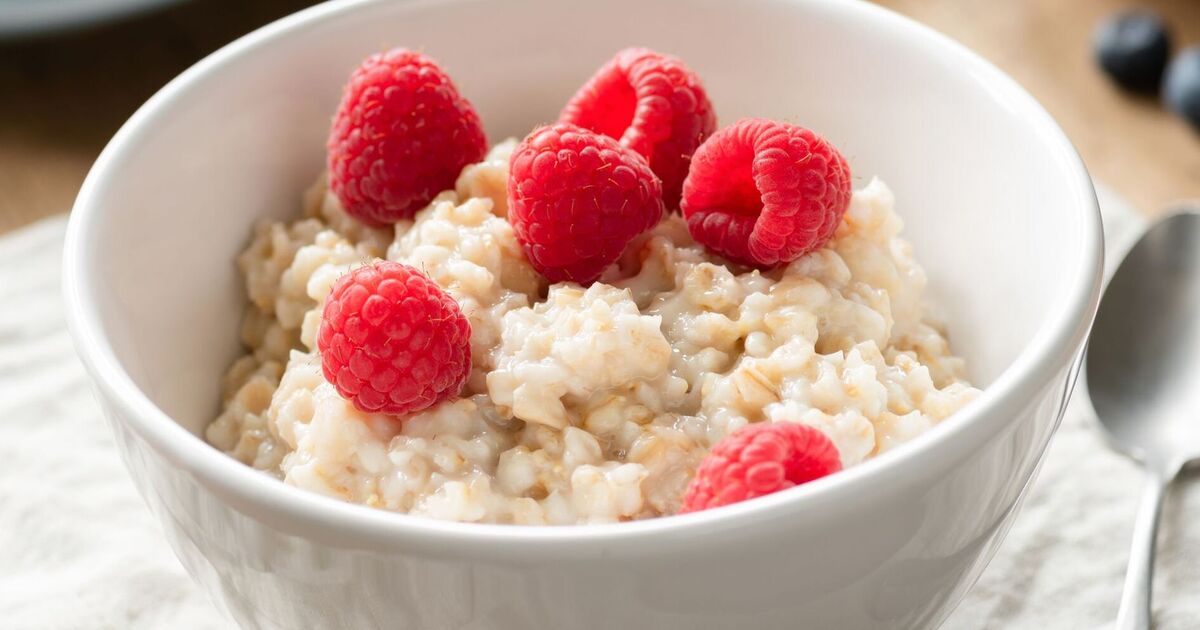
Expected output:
(584, 402)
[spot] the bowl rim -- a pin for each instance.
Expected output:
(1057, 341)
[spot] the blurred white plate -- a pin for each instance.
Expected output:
(27, 17)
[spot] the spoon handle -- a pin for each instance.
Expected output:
(1134, 613)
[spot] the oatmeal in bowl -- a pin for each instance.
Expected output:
(630, 313)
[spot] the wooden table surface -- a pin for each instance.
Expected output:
(63, 96)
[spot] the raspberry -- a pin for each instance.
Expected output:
(392, 341)
(575, 200)
(760, 459)
(654, 105)
(400, 136)
(763, 193)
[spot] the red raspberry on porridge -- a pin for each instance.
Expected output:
(401, 135)
(551, 343)
(763, 193)
(576, 199)
(651, 103)
(392, 341)
(757, 460)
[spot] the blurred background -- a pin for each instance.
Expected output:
(71, 71)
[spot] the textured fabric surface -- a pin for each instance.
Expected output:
(78, 549)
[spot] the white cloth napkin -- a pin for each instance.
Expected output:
(78, 549)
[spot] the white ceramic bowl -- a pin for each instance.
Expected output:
(996, 201)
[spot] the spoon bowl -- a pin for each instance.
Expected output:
(1143, 360)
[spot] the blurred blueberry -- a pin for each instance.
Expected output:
(1181, 87)
(1132, 47)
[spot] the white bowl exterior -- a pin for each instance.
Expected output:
(899, 559)
(996, 202)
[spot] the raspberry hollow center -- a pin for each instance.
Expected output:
(620, 105)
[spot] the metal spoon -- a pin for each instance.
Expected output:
(1143, 372)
